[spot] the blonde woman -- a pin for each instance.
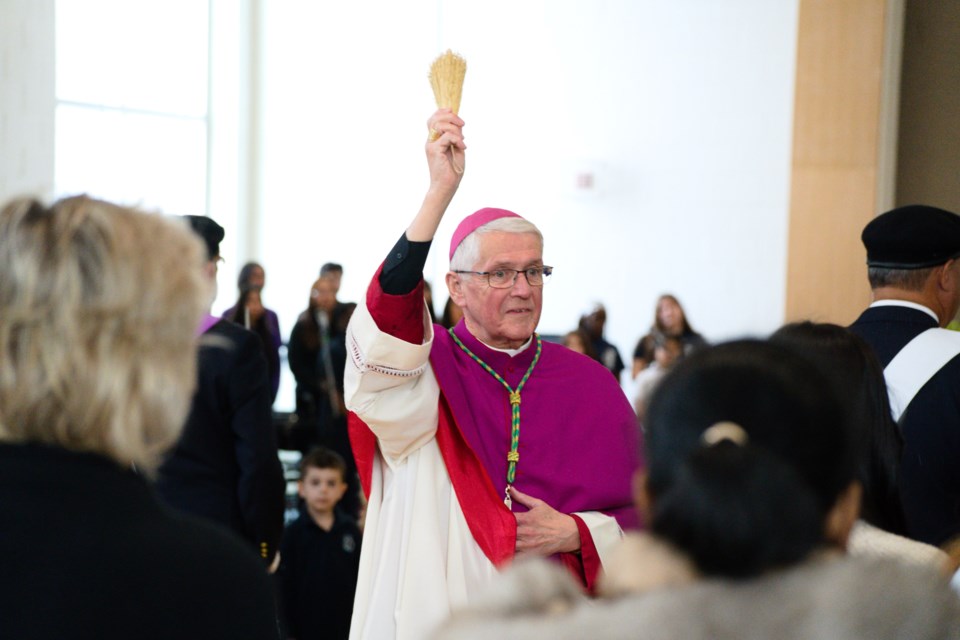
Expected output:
(99, 307)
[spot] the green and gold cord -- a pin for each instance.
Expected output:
(513, 456)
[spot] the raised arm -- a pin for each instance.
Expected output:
(446, 160)
(402, 271)
(390, 334)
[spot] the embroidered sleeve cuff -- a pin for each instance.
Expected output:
(373, 349)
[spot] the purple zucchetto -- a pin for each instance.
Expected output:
(474, 221)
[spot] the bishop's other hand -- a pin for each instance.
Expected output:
(543, 530)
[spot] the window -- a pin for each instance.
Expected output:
(132, 102)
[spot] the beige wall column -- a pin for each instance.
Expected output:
(928, 149)
(840, 131)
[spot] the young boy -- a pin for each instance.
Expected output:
(320, 553)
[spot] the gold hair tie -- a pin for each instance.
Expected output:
(725, 431)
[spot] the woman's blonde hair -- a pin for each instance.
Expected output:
(99, 306)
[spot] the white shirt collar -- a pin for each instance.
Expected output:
(510, 352)
(906, 303)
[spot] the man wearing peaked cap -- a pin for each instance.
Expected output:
(914, 273)
(225, 467)
(483, 442)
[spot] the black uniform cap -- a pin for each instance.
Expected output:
(210, 231)
(912, 237)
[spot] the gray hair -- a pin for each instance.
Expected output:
(908, 279)
(97, 336)
(468, 253)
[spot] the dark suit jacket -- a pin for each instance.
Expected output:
(225, 466)
(90, 553)
(930, 472)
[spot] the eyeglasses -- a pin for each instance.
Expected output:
(506, 278)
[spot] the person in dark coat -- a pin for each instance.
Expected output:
(97, 366)
(914, 274)
(225, 466)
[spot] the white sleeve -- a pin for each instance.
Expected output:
(605, 531)
(390, 385)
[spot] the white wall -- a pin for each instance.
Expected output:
(26, 98)
(681, 111)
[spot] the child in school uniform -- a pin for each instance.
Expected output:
(320, 553)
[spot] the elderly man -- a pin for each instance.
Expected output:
(915, 277)
(481, 443)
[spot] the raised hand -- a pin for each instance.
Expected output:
(543, 530)
(445, 149)
(445, 158)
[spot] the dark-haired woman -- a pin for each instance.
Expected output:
(250, 313)
(856, 376)
(669, 319)
(750, 496)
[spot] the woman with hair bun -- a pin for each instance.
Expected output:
(783, 488)
(750, 496)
